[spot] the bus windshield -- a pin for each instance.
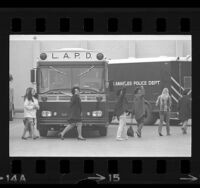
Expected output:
(53, 78)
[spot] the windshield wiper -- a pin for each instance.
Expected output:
(91, 89)
(83, 73)
(56, 91)
(57, 70)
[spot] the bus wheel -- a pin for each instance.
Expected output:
(174, 122)
(155, 116)
(43, 132)
(103, 131)
(148, 115)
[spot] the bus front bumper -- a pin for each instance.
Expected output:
(60, 123)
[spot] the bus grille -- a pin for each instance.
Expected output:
(64, 98)
(91, 98)
(52, 98)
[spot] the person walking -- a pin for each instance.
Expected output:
(11, 98)
(30, 108)
(139, 109)
(75, 112)
(164, 101)
(120, 111)
(184, 108)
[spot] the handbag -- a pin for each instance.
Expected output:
(130, 131)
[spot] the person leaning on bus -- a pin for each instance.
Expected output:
(164, 102)
(75, 112)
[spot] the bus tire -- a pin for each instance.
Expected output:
(110, 116)
(148, 115)
(103, 131)
(43, 132)
(155, 117)
(174, 122)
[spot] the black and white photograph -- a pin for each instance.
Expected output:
(100, 96)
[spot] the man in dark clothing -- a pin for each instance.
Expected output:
(139, 108)
(75, 111)
(10, 78)
(184, 108)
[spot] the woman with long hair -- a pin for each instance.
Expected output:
(121, 110)
(164, 101)
(30, 108)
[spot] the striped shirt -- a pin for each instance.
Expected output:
(164, 103)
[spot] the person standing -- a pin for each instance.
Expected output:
(164, 101)
(75, 112)
(120, 111)
(30, 108)
(139, 109)
(184, 108)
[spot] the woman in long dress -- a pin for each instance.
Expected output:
(75, 112)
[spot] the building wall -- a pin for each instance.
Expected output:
(112, 49)
(21, 62)
(23, 55)
(155, 48)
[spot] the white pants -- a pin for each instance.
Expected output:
(122, 126)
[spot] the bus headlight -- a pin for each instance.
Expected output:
(97, 113)
(46, 114)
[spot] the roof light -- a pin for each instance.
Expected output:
(43, 56)
(100, 56)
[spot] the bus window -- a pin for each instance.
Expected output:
(51, 79)
(92, 79)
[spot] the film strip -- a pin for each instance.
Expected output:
(111, 25)
(100, 170)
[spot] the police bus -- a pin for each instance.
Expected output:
(56, 73)
(154, 74)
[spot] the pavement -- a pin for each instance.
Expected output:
(150, 145)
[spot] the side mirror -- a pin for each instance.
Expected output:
(111, 87)
(33, 73)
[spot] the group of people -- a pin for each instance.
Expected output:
(121, 111)
(164, 103)
(31, 106)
